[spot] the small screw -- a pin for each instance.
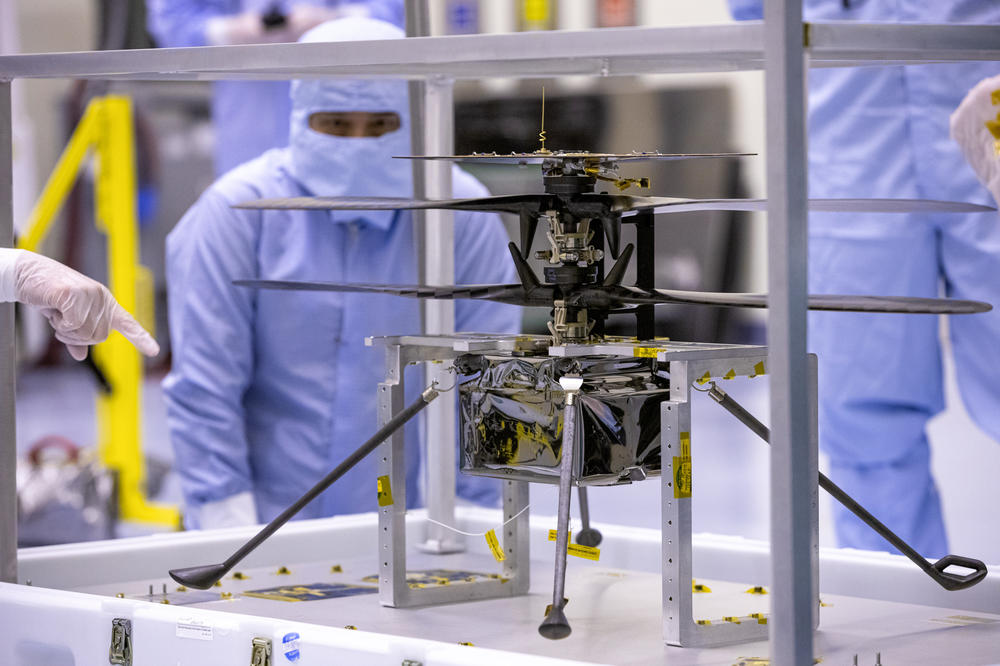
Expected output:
(878, 659)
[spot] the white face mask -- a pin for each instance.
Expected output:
(351, 166)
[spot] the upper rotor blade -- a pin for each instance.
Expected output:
(513, 294)
(831, 302)
(539, 158)
(514, 203)
(627, 203)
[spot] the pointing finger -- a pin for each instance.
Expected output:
(126, 324)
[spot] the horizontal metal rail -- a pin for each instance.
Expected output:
(607, 52)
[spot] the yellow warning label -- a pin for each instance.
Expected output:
(645, 352)
(682, 468)
(705, 378)
(730, 375)
(682, 477)
(554, 533)
(586, 552)
(491, 541)
(758, 370)
(384, 491)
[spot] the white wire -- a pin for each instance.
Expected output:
(455, 529)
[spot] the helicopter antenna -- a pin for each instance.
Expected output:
(541, 133)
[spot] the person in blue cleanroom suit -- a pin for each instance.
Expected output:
(251, 116)
(883, 132)
(270, 390)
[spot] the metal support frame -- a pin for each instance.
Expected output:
(680, 627)
(394, 589)
(8, 438)
(794, 458)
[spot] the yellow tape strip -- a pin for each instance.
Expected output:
(758, 370)
(645, 352)
(731, 374)
(491, 541)
(705, 378)
(384, 491)
(586, 552)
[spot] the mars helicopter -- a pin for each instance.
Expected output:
(576, 216)
(579, 224)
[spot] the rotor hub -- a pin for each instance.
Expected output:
(569, 184)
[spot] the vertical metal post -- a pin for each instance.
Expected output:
(8, 440)
(793, 471)
(433, 132)
(391, 465)
(439, 316)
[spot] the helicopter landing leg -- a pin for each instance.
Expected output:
(588, 536)
(555, 625)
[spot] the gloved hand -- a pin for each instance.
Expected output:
(82, 311)
(975, 125)
(233, 511)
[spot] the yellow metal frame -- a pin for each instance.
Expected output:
(106, 130)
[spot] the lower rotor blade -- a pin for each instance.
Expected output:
(514, 203)
(830, 302)
(669, 205)
(512, 294)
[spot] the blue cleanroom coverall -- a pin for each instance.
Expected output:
(249, 116)
(270, 390)
(883, 132)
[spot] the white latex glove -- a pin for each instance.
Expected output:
(975, 125)
(245, 28)
(234, 511)
(82, 311)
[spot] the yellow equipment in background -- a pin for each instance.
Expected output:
(107, 129)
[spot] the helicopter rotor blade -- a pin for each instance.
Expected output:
(629, 205)
(511, 203)
(614, 297)
(565, 155)
(828, 302)
(511, 294)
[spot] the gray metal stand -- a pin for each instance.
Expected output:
(680, 627)
(394, 590)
